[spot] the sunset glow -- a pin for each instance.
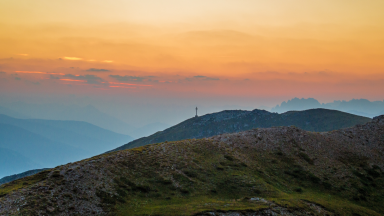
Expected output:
(328, 49)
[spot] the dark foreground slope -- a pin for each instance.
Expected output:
(232, 121)
(280, 170)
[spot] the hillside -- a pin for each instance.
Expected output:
(270, 171)
(19, 176)
(49, 143)
(232, 121)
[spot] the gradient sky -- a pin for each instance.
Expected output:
(244, 53)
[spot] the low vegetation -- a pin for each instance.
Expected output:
(284, 170)
(233, 121)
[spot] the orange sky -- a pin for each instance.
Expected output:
(330, 49)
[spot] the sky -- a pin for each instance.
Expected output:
(152, 57)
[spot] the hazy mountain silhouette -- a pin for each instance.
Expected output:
(91, 138)
(55, 111)
(11, 113)
(12, 162)
(94, 116)
(361, 107)
(297, 104)
(87, 113)
(50, 142)
(40, 150)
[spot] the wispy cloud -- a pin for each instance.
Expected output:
(128, 78)
(129, 87)
(129, 84)
(199, 77)
(38, 72)
(107, 61)
(23, 54)
(53, 77)
(97, 70)
(90, 79)
(2, 72)
(72, 58)
(37, 83)
(73, 80)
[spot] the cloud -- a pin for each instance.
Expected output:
(17, 78)
(22, 54)
(202, 78)
(90, 79)
(38, 72)
(128, 78)
(107, 61)
(72, 58)
(97, 70)
(53, 77)
(2, 72)
(33, 83)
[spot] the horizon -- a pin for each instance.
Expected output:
(185, 112)
(232, 54)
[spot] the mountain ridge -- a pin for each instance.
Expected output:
(230, 121)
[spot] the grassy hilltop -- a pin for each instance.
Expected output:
(279, 170)
(233, 121)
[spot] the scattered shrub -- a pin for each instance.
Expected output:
(228, 157)
(165, 181)
(220, 168)
(305, 157)
(143, 188)
(327, 185)
(191, 173)
(243, 164)
(372, 172)
(298, 190)
(56, 174)
(280, 153)
(184, 191)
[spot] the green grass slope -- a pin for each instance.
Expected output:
(231, 121)
(19, 176)
(272, 171)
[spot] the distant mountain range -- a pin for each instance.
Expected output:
(34, 143)
(360, 107)
(87, 113)
(232, 121)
